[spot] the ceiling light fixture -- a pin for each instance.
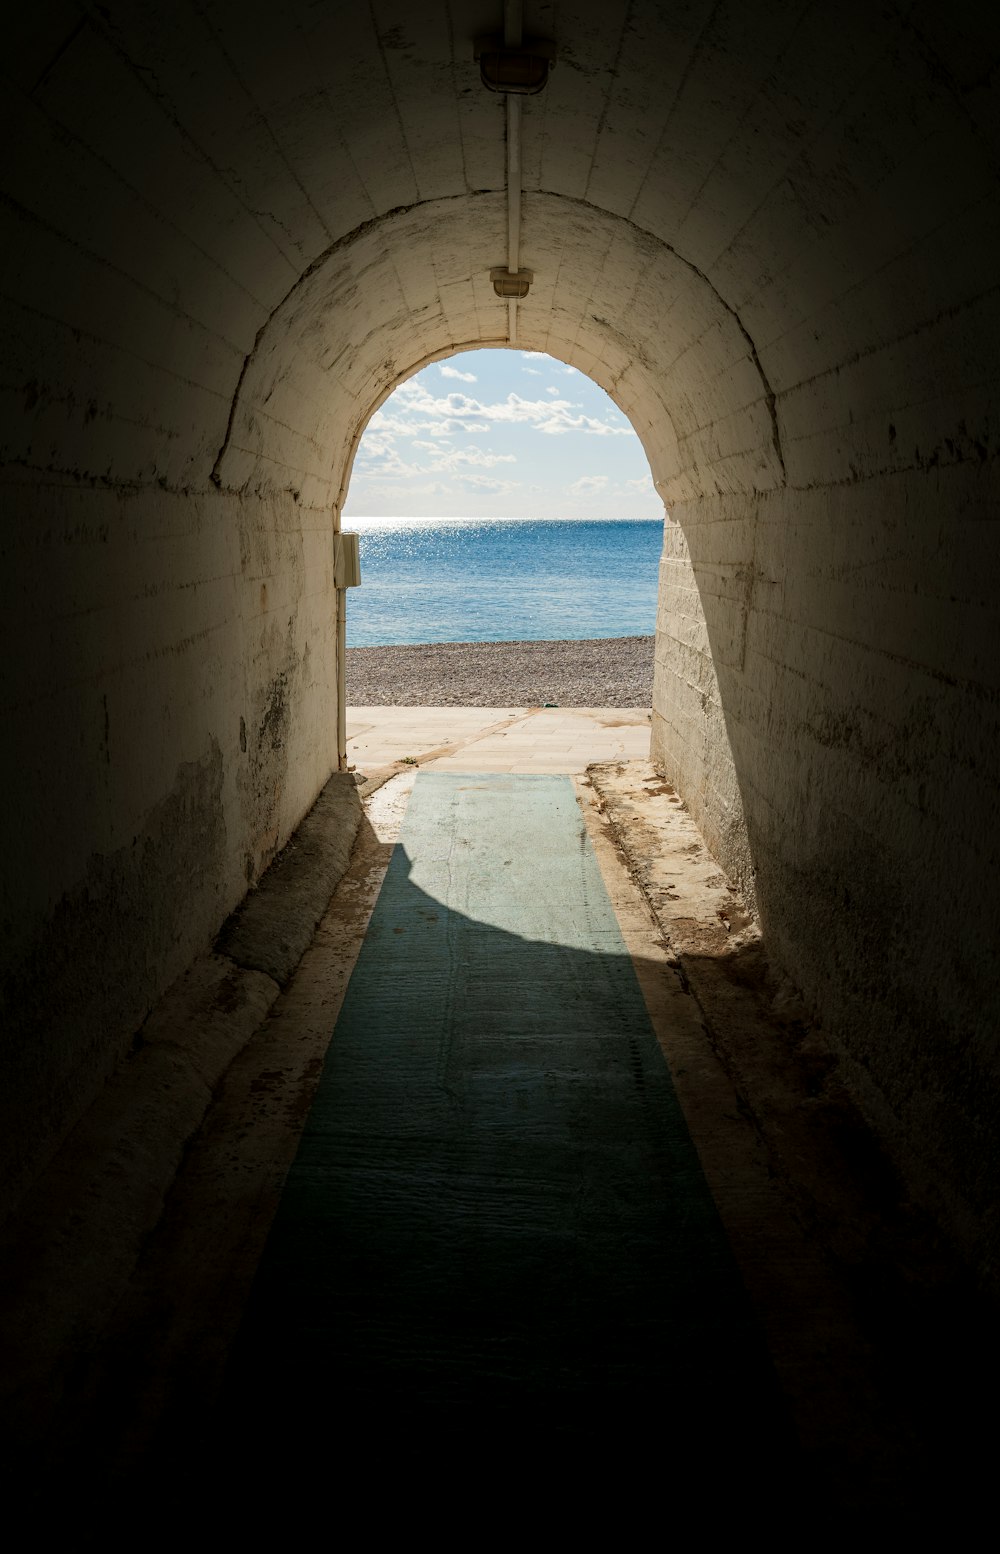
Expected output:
(522, 69)
(510, 283)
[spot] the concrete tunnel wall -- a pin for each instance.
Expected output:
(769, 231)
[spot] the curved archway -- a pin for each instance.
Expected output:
(500, 496)
(372, 311)
(347, 334)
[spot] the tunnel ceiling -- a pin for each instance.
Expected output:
(232, 230)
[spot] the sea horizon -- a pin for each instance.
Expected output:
(389, 518)
(465, 579)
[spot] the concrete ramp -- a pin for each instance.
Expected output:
(496, 1235)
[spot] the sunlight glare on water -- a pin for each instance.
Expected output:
(503, 579)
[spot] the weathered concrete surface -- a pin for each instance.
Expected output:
(495, 739)
(273, 926)
(838, 694)
(875, 1321)
(72, 1247)
(770, 232)
(70, 1250)
(135, 1410)
(782, 1064)
(166, 679)
(689, 740)
(501, 1232)
(134, 1255)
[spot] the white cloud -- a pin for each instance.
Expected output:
(393, 425)
(363, 492)
(551, 416)
(486, 484)
(452, 458)
(382, 461)
(443, 443)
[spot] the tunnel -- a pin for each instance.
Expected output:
(768, 231)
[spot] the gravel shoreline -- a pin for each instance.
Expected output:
(606, 672)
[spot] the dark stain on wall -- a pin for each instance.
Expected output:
(267, 742)
(274, 722)
(912, 1010)
(92, 971)
(268, 763)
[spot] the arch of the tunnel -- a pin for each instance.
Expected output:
(608, 299)
(413, 287)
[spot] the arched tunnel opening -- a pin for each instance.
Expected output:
(769, 232)
(499, 497)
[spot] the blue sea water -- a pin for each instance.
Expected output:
(502, 579)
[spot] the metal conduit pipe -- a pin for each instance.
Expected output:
(341, 596)
(512, 21)
(513, 203)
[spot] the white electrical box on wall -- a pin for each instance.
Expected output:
(346, 560)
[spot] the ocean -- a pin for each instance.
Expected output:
(502, 579)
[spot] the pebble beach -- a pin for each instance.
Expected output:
(603, 672)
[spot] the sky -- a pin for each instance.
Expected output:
(500, 433)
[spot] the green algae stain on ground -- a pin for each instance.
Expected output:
(497, 1225)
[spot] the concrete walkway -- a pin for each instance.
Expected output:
(137, 1254)
(496, 1238)
(496, 739)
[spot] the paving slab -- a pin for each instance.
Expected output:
(558, 740)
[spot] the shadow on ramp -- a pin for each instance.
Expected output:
(496, 1239)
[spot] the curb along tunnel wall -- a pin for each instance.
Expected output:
(769, 232)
